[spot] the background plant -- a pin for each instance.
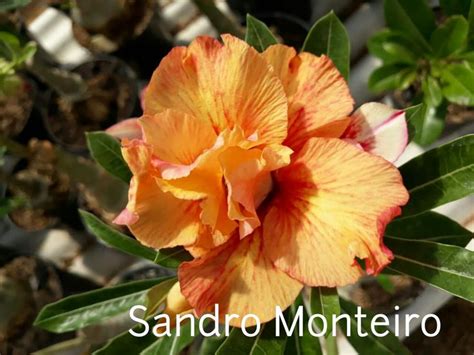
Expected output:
(426, 245)
(13, 56)
(429, 51)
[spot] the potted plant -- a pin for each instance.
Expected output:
(427, 57)
(17, 93)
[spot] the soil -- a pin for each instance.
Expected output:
(456, 335)
(15, 111)
(110, 96)
(26, 286)
(39, 182)
(369, 294)
(130, 23)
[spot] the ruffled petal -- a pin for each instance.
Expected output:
(230, 85)
(129, 128)
(331, 207)
(379, 129)
(176, 137)
(156, 218)
(319, 100)
(240, 279)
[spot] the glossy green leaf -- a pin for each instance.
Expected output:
(325, 301)
(432, 94)
(431, 124)
(450, 37)
(392, 77)
(329, 36)
(126, 343)
(78, 311)
(414, 115)
(455, 7)
(7, 5)
(414, 19)
(174, 344)
(430, 226)
(392, 48)
(266, 342)
(114, 238)
(172, 257)
(106, 151)
(306, 344)
(371, 344)
(439, 176)
(156, 296)
(448, 267)
(258, 35)
(459, 84)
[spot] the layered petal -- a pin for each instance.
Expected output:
(319, 100)
(248, 180)
(176, 137)
(230, 85)
(330, 207)
(239, 278)
(379, 129)
(156, 218)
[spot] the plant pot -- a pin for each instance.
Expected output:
(15, 110)
(456, 335)
(400, 291)
(50, 193)
(27, 284)
(108, 33)
(111, 95)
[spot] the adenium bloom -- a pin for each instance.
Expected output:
(253, 163)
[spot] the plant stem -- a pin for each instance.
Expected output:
(219, 20)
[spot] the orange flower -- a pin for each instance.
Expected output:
(253, 163)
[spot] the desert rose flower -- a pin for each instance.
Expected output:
(254, 163)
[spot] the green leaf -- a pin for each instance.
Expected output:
(439, 176)
(174, 344)
(7, 205)
(392, 48)
(430, 226)
(126, 343)
(433, 96)
(7, 5)
(266, 342)
(258, 35)
(447, 267)
(371, 344)
(306, 344)
(78, 311)
(328, 36)
(412, 18)
(414, 115)
(325, 301)
(156, 296)
(106, 151)
(210, 345)
(391, 77)
(431, 124)
(450, 37)
(455, 7)
(114, 238)
(470, 18)
(172, 257)
(459, 84)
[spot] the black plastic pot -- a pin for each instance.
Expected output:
(123, 76)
